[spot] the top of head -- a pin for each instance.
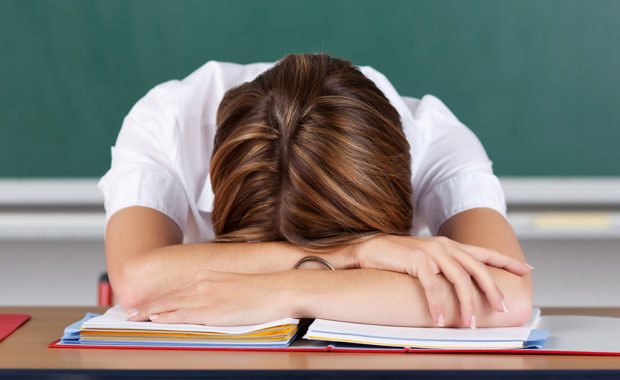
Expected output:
(310, 152)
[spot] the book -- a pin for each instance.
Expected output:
(112, 329)
(436, 338)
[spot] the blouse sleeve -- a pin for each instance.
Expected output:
(451, 171)
(163, 151)
(143, 160)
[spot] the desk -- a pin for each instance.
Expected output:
(26, 352)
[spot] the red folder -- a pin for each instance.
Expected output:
(300, 345)
(10, 323)
(569, 335)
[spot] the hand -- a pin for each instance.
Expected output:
(218, 298)
(425, 258)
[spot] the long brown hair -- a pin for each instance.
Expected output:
(310, 152)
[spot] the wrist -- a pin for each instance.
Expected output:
(296, 298)
(360, 252)
(344, 257)
(341, 257)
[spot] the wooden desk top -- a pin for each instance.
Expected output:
(27, 349)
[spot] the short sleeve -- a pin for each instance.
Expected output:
(451, 170)
(162, 156)
(143, 160)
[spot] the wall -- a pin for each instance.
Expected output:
(52, 253)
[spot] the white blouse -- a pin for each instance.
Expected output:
(162, 154)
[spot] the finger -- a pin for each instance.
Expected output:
(462, 283)
(206, 316)
(189, 315)
(432, 288)
(479, 272)
(434, 266)
(163, 304)
(496, 259)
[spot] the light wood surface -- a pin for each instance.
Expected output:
(27, 348)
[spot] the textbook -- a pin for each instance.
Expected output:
(113, 330)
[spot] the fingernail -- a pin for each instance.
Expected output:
(504, 308)
(529, 266)
(473, 322)
(153, 317)
(440, 320)
(131, 313)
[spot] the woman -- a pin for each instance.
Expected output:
(209, 212)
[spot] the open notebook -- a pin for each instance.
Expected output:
(446, 338)
(113, 330)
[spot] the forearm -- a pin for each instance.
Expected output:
(146, 259)
(385, 297)
(150, 274)
(388, 297)
(487, 228)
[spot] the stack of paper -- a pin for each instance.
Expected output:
(438, 338)
(113, 329)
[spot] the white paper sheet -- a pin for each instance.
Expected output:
(115, 318)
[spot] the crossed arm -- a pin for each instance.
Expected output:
(405, 281)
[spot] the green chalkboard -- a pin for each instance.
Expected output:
(537, 80)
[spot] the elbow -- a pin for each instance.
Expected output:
(129, 284)
(519, 303)
(126, 291)
(127, 295)
(520, 311)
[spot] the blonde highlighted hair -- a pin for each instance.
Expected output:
(310, 152)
